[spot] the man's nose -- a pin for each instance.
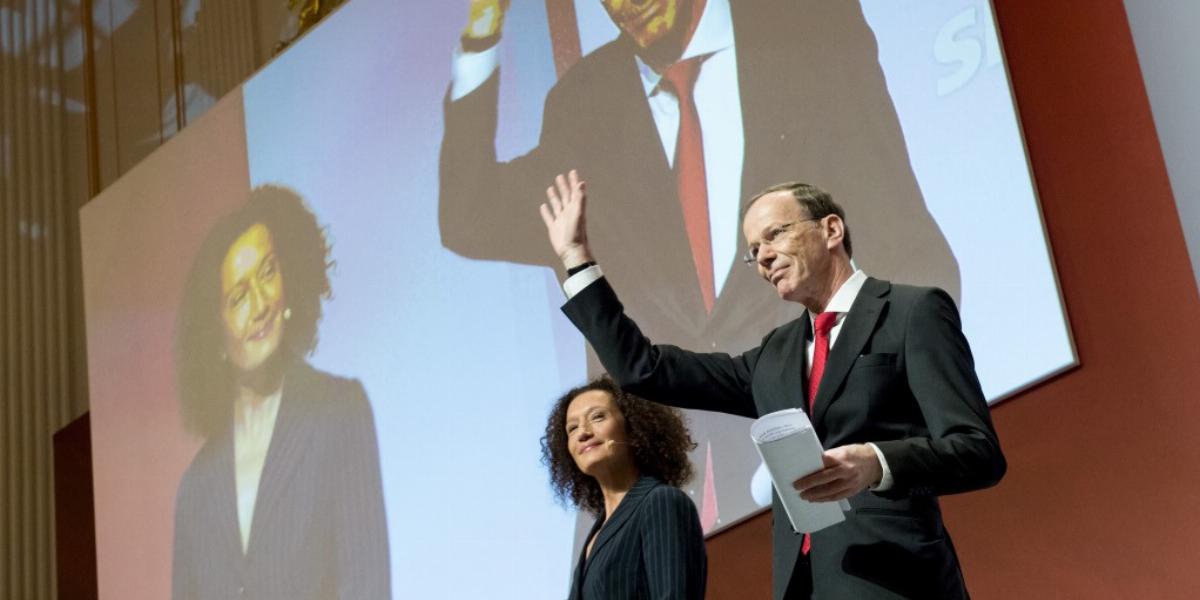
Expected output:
(766, 255)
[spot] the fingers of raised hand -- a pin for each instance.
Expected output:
(576, 185)
(563, 188)
(554, 200)
(568, 192)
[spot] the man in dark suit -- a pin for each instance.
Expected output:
(886, 377)
(784, 87)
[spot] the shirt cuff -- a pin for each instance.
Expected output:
(885, 481)
(469, 70)
(575, 283)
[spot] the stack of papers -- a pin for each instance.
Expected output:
(789, 447)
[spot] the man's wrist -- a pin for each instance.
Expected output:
(577, 268)
(470, 70)
(884, 482)
(576, 257)
(474, 45)
(585, 277)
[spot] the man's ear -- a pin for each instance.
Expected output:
(835, 230)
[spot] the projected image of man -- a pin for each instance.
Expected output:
(284, 499)
(697, 104)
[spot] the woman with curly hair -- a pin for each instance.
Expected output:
(284, 499)
(622, 459)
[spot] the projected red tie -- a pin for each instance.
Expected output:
(822, 325)
(690, 175)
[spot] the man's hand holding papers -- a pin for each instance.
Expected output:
(791, 451)
(848, 470)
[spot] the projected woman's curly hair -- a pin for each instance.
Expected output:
(205, 379)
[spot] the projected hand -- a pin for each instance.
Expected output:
(484, 20)
(848, 471)
(564, 216)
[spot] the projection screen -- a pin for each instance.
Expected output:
(414, 393)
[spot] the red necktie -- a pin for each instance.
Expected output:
(823, 325)
(690, 175)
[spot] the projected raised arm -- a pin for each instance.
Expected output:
(564, 214)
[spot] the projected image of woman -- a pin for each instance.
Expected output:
(284, 499)
(622, 459)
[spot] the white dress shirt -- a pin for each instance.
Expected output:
(718, 105)
(840, 303)
(253, 425)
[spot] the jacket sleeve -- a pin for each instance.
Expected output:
(662, 373)
(183, 559)
(962, 452)
(489, 209)
(360, 528)
(673, 546)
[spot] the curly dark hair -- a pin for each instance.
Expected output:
(206, 381)
(659, 442)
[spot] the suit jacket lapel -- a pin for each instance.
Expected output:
(582, 564)
(797, 354)
(626, 509)
(856, 330)
(225, 497)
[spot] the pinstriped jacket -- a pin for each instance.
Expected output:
(319, 529)
(652, 547)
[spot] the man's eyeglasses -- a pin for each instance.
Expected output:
(772, 234)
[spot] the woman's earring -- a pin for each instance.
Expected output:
(287, 313)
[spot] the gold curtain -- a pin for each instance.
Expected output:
(41, 386)
(87, 89)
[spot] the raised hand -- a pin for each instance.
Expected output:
(484, 20)
(564, 214)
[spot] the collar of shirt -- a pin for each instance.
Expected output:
(257, 421)
(843, 299)
(713, 34)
